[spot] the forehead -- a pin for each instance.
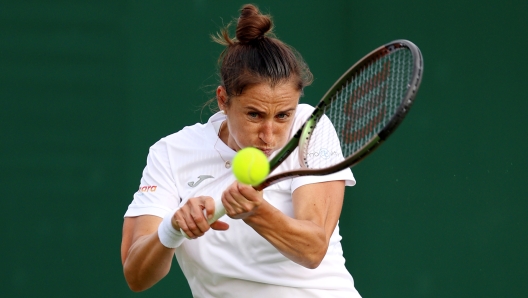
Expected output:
(265, 95)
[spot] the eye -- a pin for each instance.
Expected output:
(283, 116)
(253, 114)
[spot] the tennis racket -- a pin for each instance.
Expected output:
(357, 114)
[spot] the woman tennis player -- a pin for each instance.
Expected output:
(283, 241)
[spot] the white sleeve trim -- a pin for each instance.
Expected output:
(147, 209)
(345, 175)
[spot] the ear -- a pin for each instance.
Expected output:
(221, 98)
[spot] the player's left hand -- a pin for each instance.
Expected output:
(241, 201)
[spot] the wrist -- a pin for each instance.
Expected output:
(260, 215)
(167, 234)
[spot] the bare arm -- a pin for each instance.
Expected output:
(145, 259)
(304, 238)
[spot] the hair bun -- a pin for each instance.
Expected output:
(252, 25)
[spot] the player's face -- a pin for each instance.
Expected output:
(260, 117)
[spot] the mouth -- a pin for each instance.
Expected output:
(267, 152)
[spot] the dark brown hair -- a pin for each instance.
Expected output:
(255, 55)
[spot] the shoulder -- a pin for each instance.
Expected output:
(186, 137)
(304, 109)
(302, 112)
(192, 132)
(184, 146)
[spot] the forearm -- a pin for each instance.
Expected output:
(147, 262)
(302, 241)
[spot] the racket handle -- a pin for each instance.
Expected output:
(219, 212)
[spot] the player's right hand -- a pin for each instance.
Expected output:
(191, 217)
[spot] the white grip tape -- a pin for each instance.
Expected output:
(219, 212)
(168, 235)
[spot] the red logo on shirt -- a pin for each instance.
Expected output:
(149, 188)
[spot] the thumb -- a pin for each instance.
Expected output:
(219, 225)
(247, 190)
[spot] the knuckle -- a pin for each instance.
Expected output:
(231, 190)
(246, 208)
(191, 225)
(199, 219)
(230, 212)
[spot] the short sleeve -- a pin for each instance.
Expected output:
(345, 175)
(324, 150)
(157, 194)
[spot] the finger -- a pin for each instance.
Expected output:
(233, 200)
(198, 223)
(175, 222)
(182, 218)
(248, 192)
(219, 225)
(209, 210)
(191, 216)
(227, 201)
(234, 209)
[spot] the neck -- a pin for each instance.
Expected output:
(223, 134)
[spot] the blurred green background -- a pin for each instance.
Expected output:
(87, 86)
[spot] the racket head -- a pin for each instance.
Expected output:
(368, 79)
(364, 107)
(322, 121)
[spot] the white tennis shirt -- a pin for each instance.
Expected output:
(237, 262)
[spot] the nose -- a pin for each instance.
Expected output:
(266, 132)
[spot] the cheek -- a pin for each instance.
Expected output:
(283, 132)
(245, 134)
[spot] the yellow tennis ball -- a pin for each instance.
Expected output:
(250, 166)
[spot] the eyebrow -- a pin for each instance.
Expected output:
(251, 108)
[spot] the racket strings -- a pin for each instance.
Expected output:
(360, 109)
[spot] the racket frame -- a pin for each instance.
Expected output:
(301, 137)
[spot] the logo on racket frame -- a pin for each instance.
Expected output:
(323, 153)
